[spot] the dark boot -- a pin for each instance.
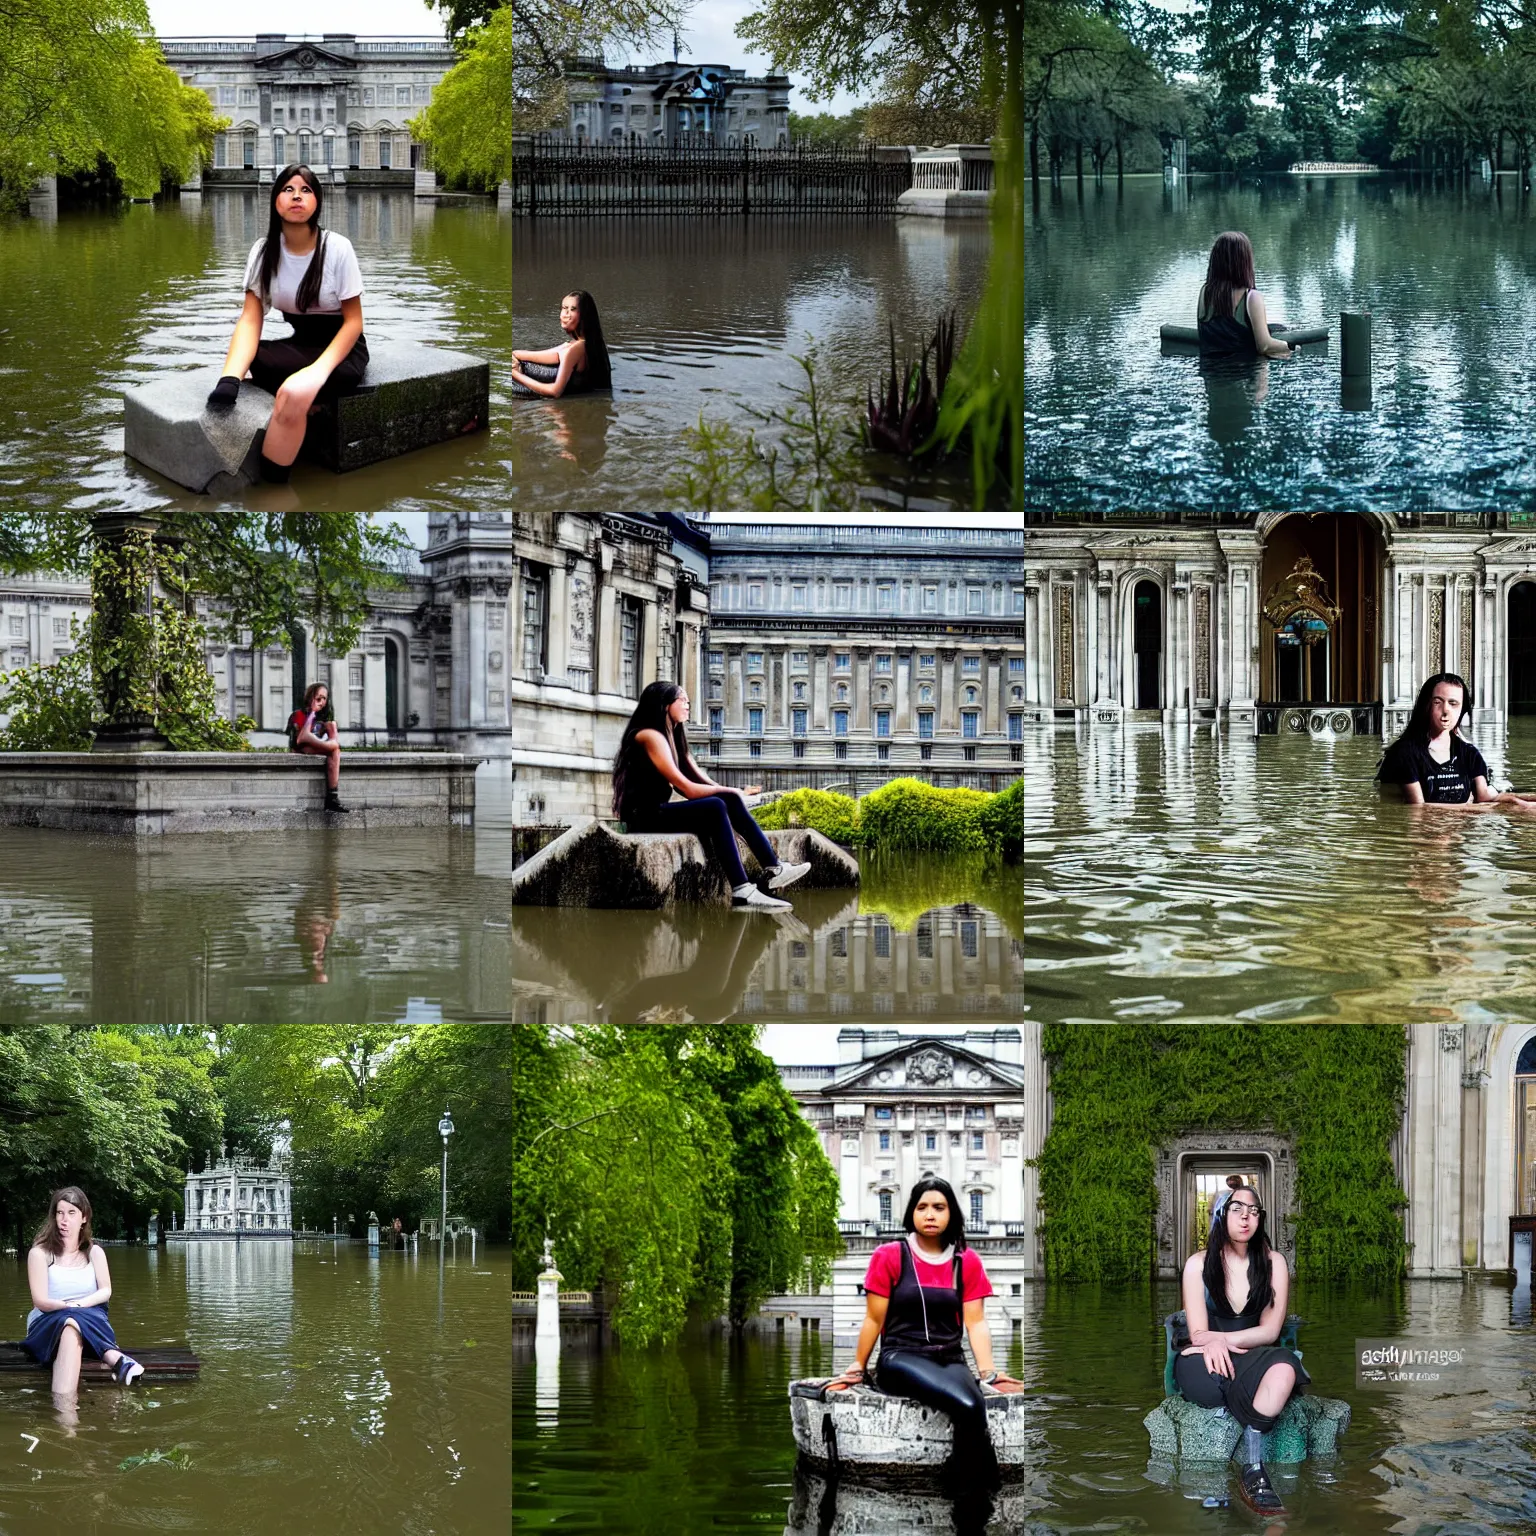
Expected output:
(1258, 1492)
(333, 802)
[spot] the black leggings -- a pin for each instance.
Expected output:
(951, 1389)
(1235, 1393)
(711, 819)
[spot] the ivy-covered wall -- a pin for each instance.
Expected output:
(1120, 1090)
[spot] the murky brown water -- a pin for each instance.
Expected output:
(94, 302)
(706, 316)
(336, 1394)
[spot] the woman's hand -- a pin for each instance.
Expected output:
(299, 389)
(852, 1377)
(1217, 1354)
(753, 789)
(1003, 1382)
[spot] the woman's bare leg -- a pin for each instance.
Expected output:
(66, 1362)
(332, 755)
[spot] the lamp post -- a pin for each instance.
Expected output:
(445, 1130)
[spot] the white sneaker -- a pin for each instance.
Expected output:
(747, 898)
(787, 874)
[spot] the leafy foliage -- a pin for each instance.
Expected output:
(468, 124)
(907, 813)
(905, 419)
(833, 815)
(1119, 1090)
(826, 128)
(50, 706)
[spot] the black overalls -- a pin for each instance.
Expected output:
(920, 1357)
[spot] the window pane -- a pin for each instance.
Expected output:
(755, 722)
(970, 725)
(839, 722)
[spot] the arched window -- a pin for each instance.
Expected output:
(1147, 644)
(1525, 1130)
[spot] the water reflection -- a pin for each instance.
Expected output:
(823, 1506)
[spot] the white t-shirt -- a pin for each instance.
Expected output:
(341, 279)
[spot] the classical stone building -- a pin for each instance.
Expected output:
(668, 102)
(339, 103)
(429, 669)
(852, 651)
(1275, 621)
(238, 1195)
(605, 604)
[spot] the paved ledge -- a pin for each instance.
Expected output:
(593, 866)
(151, 794)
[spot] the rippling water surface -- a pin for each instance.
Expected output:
(335, 1394)
(707, 315)
(1113, 423)
(1176, 873)
(698, 1438)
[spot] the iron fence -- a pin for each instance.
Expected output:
(558, 177)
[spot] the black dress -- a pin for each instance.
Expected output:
(1226, 335)
(1204, 1386)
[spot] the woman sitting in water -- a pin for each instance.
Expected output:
(575, 366)
(1234, 1304)
(919, 1294)
(1230, 313)
(71, 1286)
(1433, 763)
(311, 275)
(653, 759)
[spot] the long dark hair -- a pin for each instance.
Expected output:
(1230, 267)
(1417, 729)
(650, 715)
(955, 1231)
(309, 285)
(590, 329)
(1260, 1289)
(49, 1236)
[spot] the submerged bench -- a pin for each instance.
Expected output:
(1189, 335)
(411, 396)
(169, 1363)
(594, 866)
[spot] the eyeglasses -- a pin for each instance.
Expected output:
(1244, 1205)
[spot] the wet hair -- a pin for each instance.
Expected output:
(312, 690)
(955, 1231)
(1261, 1290)
(272, 248)
(1417, 729)
(1230, 267)
(599, 373)
(650, 715)
(49, 1236)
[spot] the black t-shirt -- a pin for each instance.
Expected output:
(1447, 783)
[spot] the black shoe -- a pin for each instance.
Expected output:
(333, 803)
(1258, 1492)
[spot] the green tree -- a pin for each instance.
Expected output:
(828, 128)
(468, 124)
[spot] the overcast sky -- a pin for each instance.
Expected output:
(414, 523)
(809, 1045)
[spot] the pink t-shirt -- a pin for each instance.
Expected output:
(885, 1270)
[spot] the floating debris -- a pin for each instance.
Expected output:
(177, 1457)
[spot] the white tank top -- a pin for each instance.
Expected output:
(65, 1284)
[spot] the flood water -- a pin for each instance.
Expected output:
(97, 301)
(1207, 876)
(334, 1395)
(1112, 422)
(921, 940)
(707, 315)
(391, 925)
(698, 1437)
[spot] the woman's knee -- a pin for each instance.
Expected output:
(1280, 1377)
(69, 1334)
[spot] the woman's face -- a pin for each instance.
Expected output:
(677, 710)
(1242, 1215)
(931, 1215)
(1445, 707)
(322, 698)
(570, 313)
(296, 201)
(69, 1218)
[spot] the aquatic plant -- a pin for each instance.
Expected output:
(905, 419)
(178, 1457)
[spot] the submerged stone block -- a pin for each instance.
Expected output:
(594, 866)
(168, 427)
(1309, 1426)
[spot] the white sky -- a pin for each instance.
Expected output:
(810, 1045)
(414, 523)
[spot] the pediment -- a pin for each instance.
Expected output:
(299, 57)
(925, 1065)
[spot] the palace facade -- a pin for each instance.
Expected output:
(339, 103)
(1276, 622)
(238, 1195)
(669, 102)
(429, 669)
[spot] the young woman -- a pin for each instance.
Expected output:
(1433, 763)
(1230, 313)
(653, 760)
(311, 275)
(70, 1284)
(1234, 1303)
(310, 733)
(575, 366)
(919, 1295)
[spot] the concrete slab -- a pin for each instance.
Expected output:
(168, 427)
(153, 794)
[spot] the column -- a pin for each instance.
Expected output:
(903, 722)
(861, 714)
(946, 684)
(607, 634)
(735, 691)
(820, 691)
(650, 641)
(375, 713)
(559, 624)
(992, 692)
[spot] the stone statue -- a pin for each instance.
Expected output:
(930, 1067)
(549, 1253)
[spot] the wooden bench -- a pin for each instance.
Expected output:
(167, 1363)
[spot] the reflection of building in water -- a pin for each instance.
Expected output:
(429, 669)
(1273, 621)
(238, 1195)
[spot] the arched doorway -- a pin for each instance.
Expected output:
(1147, 644)
(1522, 648)
(392, 685)
(1525, 1130)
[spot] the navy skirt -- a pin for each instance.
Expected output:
(42, 1340)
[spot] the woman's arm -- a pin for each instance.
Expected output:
(562, 378)
(37, 1282)
(980, 1334)
(307, 738)
(660, 754)
(341, 343)
(1211, 1343)
(247, 337)
(1258, 321)
(1413, 794)
(548, 355)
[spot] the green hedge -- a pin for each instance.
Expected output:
(1120, 1090)
(835, 816)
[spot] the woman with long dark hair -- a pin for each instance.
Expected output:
(653, 760)
(920, 1295)
(1433, 763)
(1230, 313)
(578, 365)
(310, 274)
(1234, 1305)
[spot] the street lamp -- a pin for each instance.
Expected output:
(445, 1130)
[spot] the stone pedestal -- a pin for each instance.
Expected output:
(168, 427)
(548, 1324)
(1309, 1426)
